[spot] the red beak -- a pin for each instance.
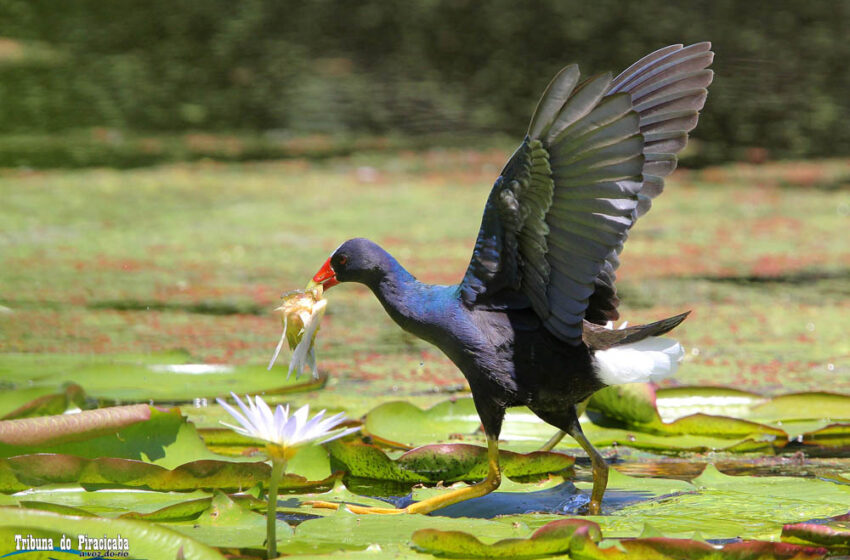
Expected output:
(326, 276)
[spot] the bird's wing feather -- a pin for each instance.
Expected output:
(560, 210)
(562, 203)
(668, 89)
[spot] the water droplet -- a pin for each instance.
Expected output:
(830, 367)
(695, 351)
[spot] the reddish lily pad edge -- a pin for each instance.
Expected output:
(580, 539)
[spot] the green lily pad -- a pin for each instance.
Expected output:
(660, 548)
(634, 406)
(833, 435)
(804, 406)
(552, 498)
(441, 462)
(581, 539)
(146, 540)
(675, 402)
(344, 530)
(68, 428)
(226, 523)
(43, 401)
(55, 508)
(191, 509)
(26, 471)
(158, 377)
(552, 538)
(401, 424)
(833, 533)
(162, 437)
(339, 494)
(761, 506)
(111, 502)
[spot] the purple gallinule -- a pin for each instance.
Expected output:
(526, 325)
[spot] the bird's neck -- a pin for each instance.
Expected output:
(421, 309)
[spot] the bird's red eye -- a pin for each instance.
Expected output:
(343, 259)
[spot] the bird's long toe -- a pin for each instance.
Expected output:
(360, 510)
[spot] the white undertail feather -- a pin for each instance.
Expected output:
(650, 359)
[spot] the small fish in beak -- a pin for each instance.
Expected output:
(301, 313)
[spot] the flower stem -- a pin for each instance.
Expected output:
(278, 466)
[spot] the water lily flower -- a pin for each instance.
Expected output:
(284, 434)
(301, 312)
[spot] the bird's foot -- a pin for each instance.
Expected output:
(360, 510)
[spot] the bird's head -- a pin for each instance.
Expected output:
(356, 260)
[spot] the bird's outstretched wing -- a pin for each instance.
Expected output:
(594, 156)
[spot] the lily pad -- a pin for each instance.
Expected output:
(109, 502)
(144, 378)
(803, 406)
(146, 540)
(833, 533)
(634, 407)
(553, 497)
(344, 530)
(660, 548)
(225, 523)
(401, 424)
(44, 402)
(441, 462)
(26, 471)
(833, 435)
(162, 437)
(762, 505)
(68, 428)
(552, 538)
(581, 539)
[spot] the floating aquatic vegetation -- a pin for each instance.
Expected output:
(284, 434)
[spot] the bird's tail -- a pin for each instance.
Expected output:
(641, 356)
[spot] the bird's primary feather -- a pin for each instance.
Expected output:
(595, 155)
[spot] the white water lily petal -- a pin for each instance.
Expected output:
(340, 434)
(281, 428)
(330, 423)
(238, 429)
(313, 423)
(235, 413)
(267, 416)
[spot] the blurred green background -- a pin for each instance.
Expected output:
(119, 83)
(135, 219)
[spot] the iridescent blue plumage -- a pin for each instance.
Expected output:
(522, 325)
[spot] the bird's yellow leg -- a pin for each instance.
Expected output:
(553, 441)
(493, 480)
(600, 469)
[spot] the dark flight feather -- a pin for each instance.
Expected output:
(594, 157)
